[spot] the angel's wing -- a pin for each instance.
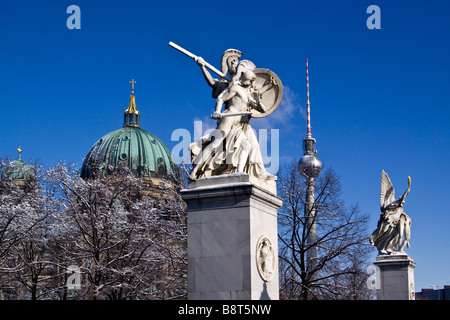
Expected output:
(387, 190)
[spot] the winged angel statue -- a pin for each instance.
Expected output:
(393, 229)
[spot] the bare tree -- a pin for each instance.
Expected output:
(127, 246)
(341, 240)
(23, 258)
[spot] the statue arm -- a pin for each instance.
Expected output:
(255, 101)
(268, 86)
(402, 198)
(223, 97)
(209, 79)
(219, 104)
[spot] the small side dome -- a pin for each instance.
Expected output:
(19, 172)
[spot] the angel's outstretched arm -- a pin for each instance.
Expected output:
(402, 198)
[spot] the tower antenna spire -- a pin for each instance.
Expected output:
(309, 165)
(308, 107)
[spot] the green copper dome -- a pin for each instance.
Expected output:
(141, 151)
(19, 170)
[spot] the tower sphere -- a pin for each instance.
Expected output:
(309, 166)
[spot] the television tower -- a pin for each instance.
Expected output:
(310, 166)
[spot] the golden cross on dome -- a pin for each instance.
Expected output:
(132, 84)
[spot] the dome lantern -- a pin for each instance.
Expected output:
(132, 118)
(144, 153)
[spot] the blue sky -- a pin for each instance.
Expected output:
(379, 98)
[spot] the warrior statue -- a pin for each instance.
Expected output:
(393, 230)
(248, 92)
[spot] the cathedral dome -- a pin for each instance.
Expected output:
(144, 153)
(19, 171)
(140, 150)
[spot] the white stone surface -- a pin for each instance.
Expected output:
(225, 222)
(234, 179)
(396, 277)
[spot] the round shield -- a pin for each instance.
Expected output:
(271, 91)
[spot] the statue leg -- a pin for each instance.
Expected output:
(404, 228)
(243, 156)
(407, 230)
(206, 153)
(401, 228)
(393, 244)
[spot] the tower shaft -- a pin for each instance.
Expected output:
(310, 166)
(310, 214)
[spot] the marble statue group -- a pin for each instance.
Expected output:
(230, 189)
(247, 92)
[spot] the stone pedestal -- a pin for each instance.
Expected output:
(395, 277)
(232, 239)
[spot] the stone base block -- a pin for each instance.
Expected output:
(232, 240)
(241, 178)
(396, 277)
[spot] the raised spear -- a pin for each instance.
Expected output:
(193, 56)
